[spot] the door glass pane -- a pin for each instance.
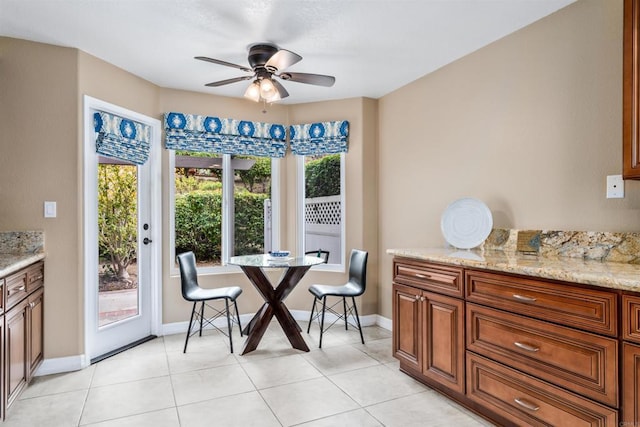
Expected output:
(322, 205)
(118, 297)
(198, 206)
(251, 194)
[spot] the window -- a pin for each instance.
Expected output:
(321, 209)
(222, 206)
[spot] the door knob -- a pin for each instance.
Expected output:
(146, 240)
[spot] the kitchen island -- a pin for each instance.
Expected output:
(521, 338)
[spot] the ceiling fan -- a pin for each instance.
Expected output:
(266, 61)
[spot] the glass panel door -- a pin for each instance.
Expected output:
(118, 293)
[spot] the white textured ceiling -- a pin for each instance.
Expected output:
(372, 47)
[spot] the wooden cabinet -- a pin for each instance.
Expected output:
(631, 360)
(22, 331)
(429, 326)
(631, 91)
(518, 349)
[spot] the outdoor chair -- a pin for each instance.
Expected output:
(320, 254)
(191, 291)
(354, 287)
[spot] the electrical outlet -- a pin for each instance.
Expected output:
(615, 187)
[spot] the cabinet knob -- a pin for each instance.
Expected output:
(422, 276)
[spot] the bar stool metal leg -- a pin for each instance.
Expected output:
(355, 308)
(186, 341)
(311, 317)
(344, 306)
(201, 316)
(324, 306)
(226, 304)
(235, 304)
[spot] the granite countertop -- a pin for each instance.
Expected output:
(607, 274)
(10, 263)
(19, 249)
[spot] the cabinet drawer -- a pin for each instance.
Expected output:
(525, 400)
(35, 277)
(432, 277)
(588, 309)
(577, 360)
(631, 318)
(16, 288)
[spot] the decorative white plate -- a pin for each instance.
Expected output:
(466, 223)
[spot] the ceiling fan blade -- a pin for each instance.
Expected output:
(225, 63)
(283, 59)
(281, 90)
(312, 79)
(228, 81)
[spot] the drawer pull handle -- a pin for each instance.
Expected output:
(526, 347)
(422, 276)
(20, 289)
(523, 298)
(525, 404)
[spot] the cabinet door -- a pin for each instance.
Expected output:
(443, 340)
(16, 352)
(35, 316)
(630, 98)
(630, 384)
(406, 325)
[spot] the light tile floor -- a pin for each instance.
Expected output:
(343, 384)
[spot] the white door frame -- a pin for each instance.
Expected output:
(90, 215)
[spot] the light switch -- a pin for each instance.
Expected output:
(615, 187)
(49, 209)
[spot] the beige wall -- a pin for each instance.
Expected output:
(38, 153)
(530, 124)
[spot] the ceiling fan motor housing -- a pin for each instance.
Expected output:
(259, 54)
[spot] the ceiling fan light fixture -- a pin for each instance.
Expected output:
(267, 89)
(253, 92)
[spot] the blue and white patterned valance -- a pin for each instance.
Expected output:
(319, 138)
(225, 136)
(121, 138)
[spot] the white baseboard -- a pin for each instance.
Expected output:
(62, 364)
(75, 363)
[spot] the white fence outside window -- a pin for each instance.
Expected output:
(322, 225)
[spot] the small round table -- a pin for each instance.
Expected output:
(295, 268)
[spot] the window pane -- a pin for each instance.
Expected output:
(323, 210)
(198, 206)
(252, 193)
(117, 241)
